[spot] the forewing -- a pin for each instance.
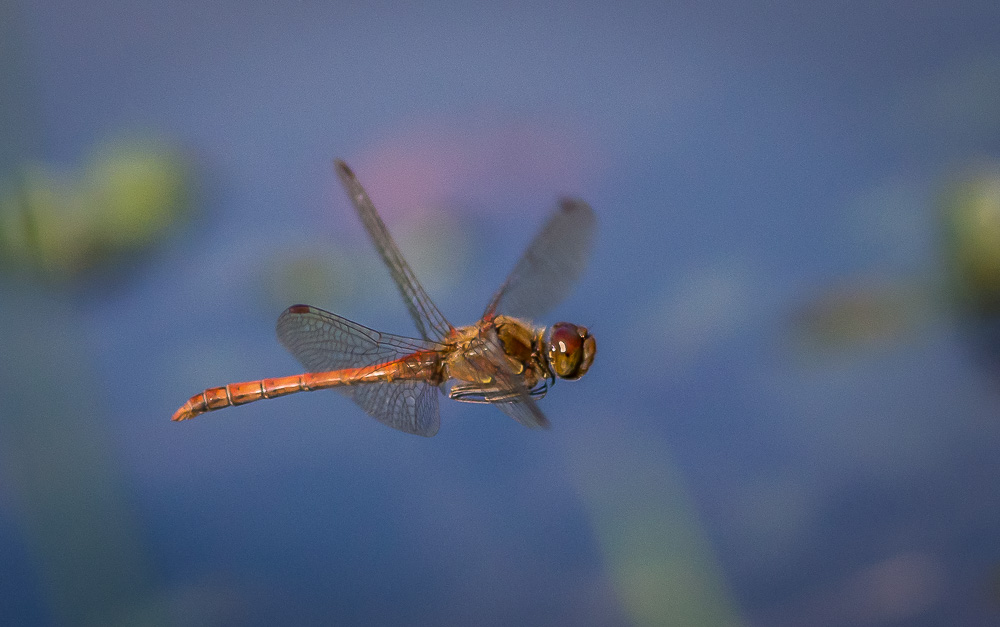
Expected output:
(431, 324)
(324, 341)
(552, 263)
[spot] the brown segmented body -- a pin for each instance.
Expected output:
(416, 367)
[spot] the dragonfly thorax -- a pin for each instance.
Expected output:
(564, 350)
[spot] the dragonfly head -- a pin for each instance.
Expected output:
(571, 350)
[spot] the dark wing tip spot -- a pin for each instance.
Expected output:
(574, 205)
(298, 309)
(343, 169)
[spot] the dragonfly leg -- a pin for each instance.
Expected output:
(472, 393)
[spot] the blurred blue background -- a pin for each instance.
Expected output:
(794, 415)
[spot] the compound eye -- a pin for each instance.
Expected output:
(571, 350)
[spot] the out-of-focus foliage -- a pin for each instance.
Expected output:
(660, 561)
(866, 310)
(307, 273)
(61, 223)
(862, 312)
(971, 215)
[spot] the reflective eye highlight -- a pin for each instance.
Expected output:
(571, 350)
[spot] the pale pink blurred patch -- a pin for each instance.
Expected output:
(898, 588)
(516, 167)
(893, 591)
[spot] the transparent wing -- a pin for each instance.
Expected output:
(431, 324)
(410, 406)
(323, 341)
(525, 411)
(554, 260)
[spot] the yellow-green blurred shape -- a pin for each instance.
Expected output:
(863, 312)
(136, 190)
(662, 565)
(311, 273)
(68, 493)
(62, 223)
(323, 272)
(437, 247)
(971, 213)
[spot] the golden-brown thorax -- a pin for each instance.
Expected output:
(482, 358)
(468, 362)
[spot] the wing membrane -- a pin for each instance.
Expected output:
(323, 341)
(430, 322)
(410, 406)
(553, 261)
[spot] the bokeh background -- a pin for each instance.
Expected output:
(794, 416)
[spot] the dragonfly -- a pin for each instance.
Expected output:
(503, 359)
